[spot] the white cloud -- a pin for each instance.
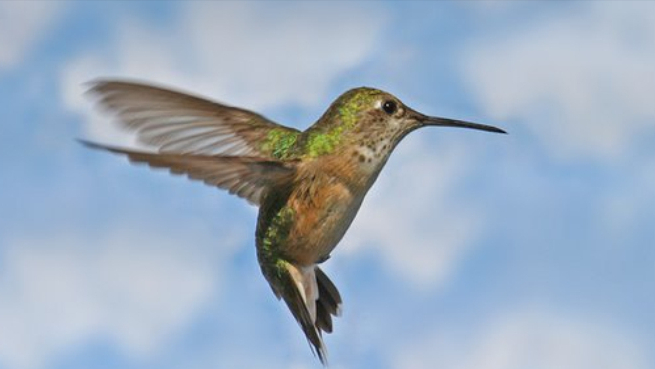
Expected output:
(281, 54)
(410, 217)
(532, 339)
(582, 80)
(245, 54)
(22, 25)
(130, 287)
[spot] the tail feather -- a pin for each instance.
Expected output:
(312, 299)
(328, 294)
(329, 301)
(323, 319)
(295, 295)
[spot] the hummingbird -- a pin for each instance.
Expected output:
(307, 184)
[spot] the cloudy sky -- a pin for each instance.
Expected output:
(473, 250)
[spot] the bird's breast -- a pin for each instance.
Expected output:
(324, 209)
(317, 211)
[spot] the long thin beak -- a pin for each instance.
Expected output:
(445, 122)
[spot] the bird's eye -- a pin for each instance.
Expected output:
(389, 107)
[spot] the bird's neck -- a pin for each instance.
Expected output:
(356, 166)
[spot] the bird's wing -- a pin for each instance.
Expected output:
(245, 177)
(174, 122)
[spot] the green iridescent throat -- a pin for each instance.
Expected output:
(322, 143)
(281, 143)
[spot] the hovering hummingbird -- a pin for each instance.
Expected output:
(308, 184)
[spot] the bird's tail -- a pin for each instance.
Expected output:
(313, 300)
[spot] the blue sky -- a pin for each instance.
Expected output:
(531, 250)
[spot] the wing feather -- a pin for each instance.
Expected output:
(246, 177)
(175, 122)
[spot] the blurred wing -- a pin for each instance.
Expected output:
(245, 177)
(175, 122)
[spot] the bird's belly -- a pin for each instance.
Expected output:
(321, 223)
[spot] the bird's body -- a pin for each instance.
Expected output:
(308, 185)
